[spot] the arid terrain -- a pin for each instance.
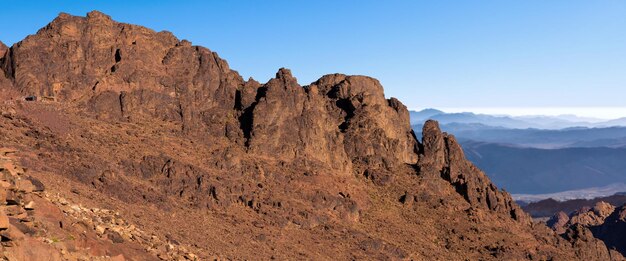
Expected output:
(141, 146)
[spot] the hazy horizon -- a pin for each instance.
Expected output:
(588, 113)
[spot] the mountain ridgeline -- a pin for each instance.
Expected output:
(247, 170)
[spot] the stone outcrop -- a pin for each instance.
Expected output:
(4, 55)
(587, 246)
(559, 222)
(612, 230)
(3, 50)
(586, 217)
(335, 121)
(123, 71)
(594, 216)
(443, 157)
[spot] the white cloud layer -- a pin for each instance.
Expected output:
(603, 113)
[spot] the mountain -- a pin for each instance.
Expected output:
(550, 207)
(587, 193)
(149, 147)
(615, 122)
(513, 122)
(472, 118)
(419, 117)
(541, 171)
(538, 138)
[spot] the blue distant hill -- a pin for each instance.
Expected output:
(537, 154)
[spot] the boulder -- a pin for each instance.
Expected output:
(594, 216)
(3, 195)
(13, 197)
(4, 220)
(559, 222)
(38, 186)
(24, 185)
(30, 205)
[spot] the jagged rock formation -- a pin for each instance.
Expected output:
(592, 216)
(559, 222)
(3, 51)
(611, 231)
(586, 217)
(4, 82)
(603, 221)
(444, 157)
(166, 134)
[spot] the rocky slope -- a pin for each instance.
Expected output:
(604, 221)
(198, 160)
(35, 225)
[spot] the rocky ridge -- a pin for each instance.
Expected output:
(133, 72)
(168, 135)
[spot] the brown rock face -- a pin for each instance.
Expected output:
(586, 217)
(594, 216)
(587, 246)
(120, 70)
(335, 121)
(443, 157)
(559, 222)
(4, 55)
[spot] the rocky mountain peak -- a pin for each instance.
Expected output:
(98, 16)
(3, 49)
(442, 156)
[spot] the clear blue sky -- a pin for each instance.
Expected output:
(562, 53)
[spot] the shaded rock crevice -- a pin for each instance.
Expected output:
(246, 119)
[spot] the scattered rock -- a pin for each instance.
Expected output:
(30, 205)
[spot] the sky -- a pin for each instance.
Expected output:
(508, 55)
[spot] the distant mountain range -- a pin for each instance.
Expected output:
(613, 137)
(549, 207)
(513, 122)
(535, 156)
(539, 171)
